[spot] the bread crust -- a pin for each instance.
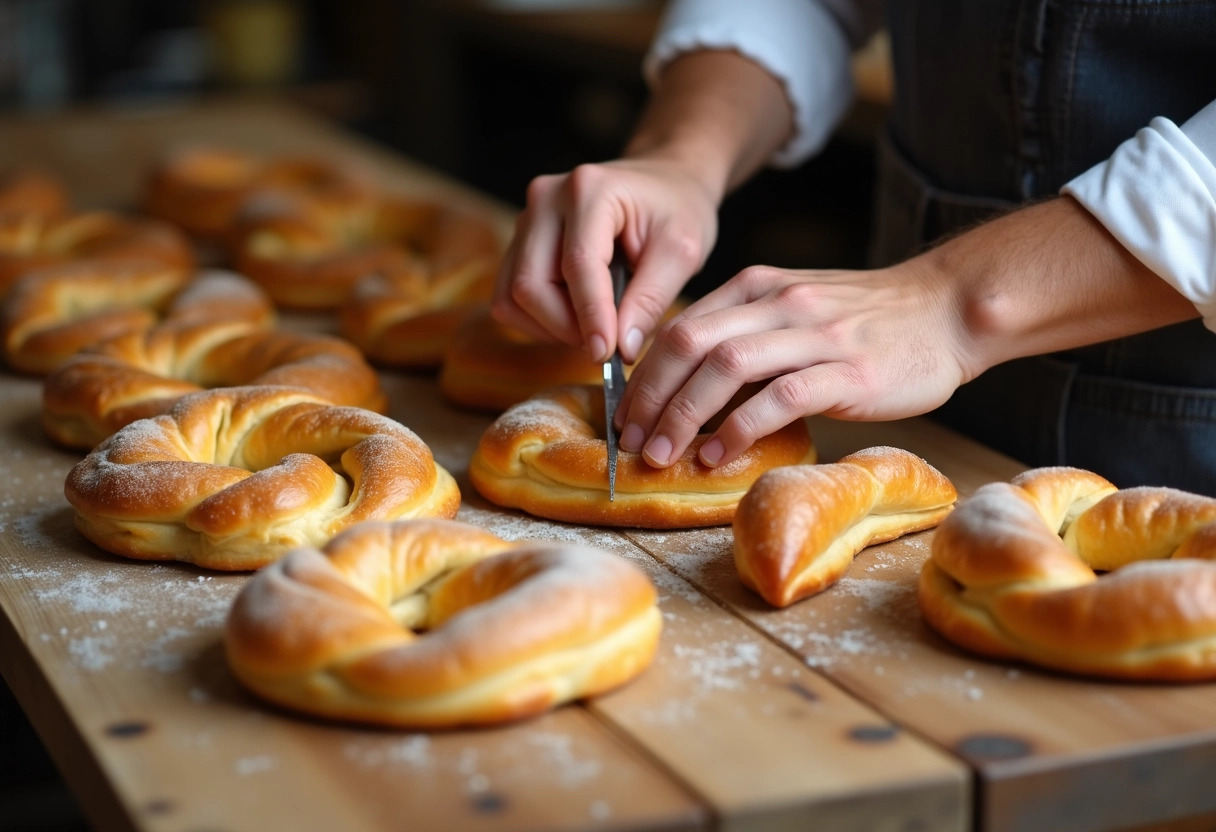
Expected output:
(507, 630)
(548, 456)
(1061, 569)
(798, 528)
(216, 335)
(232, 478)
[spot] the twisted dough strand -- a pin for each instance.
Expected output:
(798, 528)
(507, 630)
(234, 477)
(1012, 575)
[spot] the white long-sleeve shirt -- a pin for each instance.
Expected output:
(1156, 193)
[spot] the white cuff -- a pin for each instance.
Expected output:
(1157, 195)
(798, 42)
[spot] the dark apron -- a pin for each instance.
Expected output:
(1003, 101)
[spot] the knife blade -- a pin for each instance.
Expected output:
(614, 373)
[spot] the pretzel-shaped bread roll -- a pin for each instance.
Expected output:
(507, 630)
(798, 528)
(29, 242)
(548, 456)
(206, 341)
(1012, 575)
(201, 188)
(310, 258)
(232, 478)
(490, 366)
(54, 313)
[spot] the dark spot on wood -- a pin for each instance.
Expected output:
(489, 803)
(873, 733)
(133, 728)
(993, 747)
(803, 691)
(159, 806)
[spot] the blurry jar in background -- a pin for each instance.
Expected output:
(253, 43)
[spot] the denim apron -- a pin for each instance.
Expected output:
(1003, 101)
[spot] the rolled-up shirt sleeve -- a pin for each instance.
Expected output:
(800, 42)
(1157, 195)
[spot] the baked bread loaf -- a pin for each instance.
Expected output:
(490, 366)
(309, 257)
(798, 528)
(143, 373)
(1059, 568)
(201, 189)
(32, 193)
(234, 477)
(548, 456)
(29, 242)
(437, 624)
(407, 317)
(55, 312)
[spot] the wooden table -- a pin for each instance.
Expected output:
(840, 713)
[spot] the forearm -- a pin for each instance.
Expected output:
(1046, 278)
(717, 115)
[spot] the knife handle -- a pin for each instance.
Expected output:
(619, 269)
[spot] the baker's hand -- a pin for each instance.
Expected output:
(554, 282)
(859, 345)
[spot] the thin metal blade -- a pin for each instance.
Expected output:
(614, 371)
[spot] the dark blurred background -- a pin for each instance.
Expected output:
(491, 92)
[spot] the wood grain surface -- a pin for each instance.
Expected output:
(839, 713)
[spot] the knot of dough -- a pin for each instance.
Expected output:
(798, 528)
(232, 478)
(53, 313)
(29, 242)
(1012, 575)
(506, 630)
(490, 366)
(201, 188)
(407, 317)
(312, 258)
(143, 373)
(548, 456)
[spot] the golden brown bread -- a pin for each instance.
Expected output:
(232, 478)
(798, 528)
(490, 366)
(548, 456)
(407, 317)
(32, 192)
(55, 312)
(436, 624)
(143, 373)
(201, 188)
(311, 257)
(29, 242)
(1012, 575)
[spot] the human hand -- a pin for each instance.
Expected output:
(861, 345)
(554, 282)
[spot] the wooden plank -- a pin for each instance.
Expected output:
(786, 748)
(132, 654)
(1052, 752)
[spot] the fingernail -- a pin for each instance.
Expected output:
(599, 348)
(658, 450)
(633, 341)
(631, 438)
(712, 451)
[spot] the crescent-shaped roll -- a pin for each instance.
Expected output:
(232, 478)
(548, 456)
(1061, 569)
(436, 624)
(798, 529)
